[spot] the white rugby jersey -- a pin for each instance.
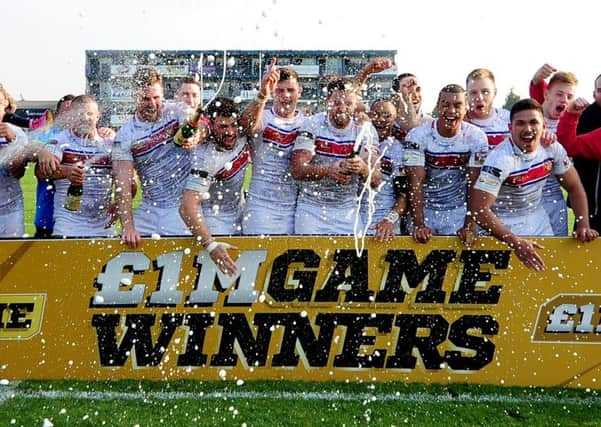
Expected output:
(11, 196)
(552, 189)
(391, 166)
(495, 127)
(328, 144)
(93, 154)
(219, 175)
(517, 178)
(271, 180)
(162, 166)
(446, 161)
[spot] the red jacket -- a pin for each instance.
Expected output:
(587, 145)
(537, 91)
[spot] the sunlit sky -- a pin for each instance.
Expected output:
(439, 41)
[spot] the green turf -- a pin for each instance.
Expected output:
(267, 404)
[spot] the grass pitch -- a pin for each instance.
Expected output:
(183, 403)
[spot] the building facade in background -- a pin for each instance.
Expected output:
(109, 72)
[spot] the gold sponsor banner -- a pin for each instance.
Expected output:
(301, 308)
(20, 315)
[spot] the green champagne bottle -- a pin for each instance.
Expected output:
(73, 198)
(188, 129)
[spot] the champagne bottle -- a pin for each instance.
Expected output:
(74, 196)
(189, 128)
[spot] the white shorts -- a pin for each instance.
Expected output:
(557, 211)
(11, 224)
(162, 221)
(535, 223)
(311, 219)
(224, 224)
(445, 222)
(80, 226)
(261, 220)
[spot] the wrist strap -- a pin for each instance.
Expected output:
(212, 246)
(392, 217)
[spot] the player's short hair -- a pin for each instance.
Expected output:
(340, 83)
(563, 77)
(81, 100)
(396, 82)
(222, 106)
(597, 78)
(450, 88)
(523, 105)
(144, 77)
(189, 81)
(288, 73)
(377, 100)
(66, 98)
(480, 73)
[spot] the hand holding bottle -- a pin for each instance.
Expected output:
(75, 190)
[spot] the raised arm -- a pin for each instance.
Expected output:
(250, 120)
(538, 84)
(587, 145)
(375, 65)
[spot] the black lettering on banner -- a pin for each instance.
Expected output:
(3, 307)
(471, 275)
(137, 336)
(355, 337)
(197, 329)
(347, 260)
(404, 262)
(277, 286)
(299, 329)
(459, 335)
(18, 311)
(410, 338)
(235, 327)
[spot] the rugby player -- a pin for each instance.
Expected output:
(15, 152)
(146, 143)
(507, 198)
(271, 202)
(85, 160)
(481, 93)
(323, 163)
(212, 200)
(391, 198)
(443, 159)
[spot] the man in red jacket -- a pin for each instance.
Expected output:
(587, 145)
